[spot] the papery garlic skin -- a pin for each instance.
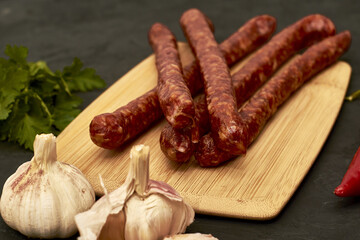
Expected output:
(42, 197)
(153, 209)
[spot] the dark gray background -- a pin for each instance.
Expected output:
(111, 36)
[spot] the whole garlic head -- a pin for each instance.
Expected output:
(42, 197)
(140, 209)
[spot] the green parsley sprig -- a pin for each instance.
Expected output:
(34, 99)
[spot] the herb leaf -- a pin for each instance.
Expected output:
(34, 99)
(81, 80)
(17, 54)
(66, 109)
(27, 120)
(12, 81)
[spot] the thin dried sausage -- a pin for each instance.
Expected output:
(218, 88)
(111, 130)
(245, 40)
(256, 112)
(177, 144)
(258, 69)
(174, 96)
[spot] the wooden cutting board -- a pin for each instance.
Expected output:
(255, 186)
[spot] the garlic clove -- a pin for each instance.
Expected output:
(191, 236)
(160, 214)
(152, 209)
(42, 197)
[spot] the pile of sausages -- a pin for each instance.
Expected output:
(221, 122)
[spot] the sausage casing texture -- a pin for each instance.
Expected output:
(174, 96)
(177, 144)
(245, 40)
(220, 97)
(266, 61)
(111, 130)
(257, 111)
(259, 68)
(303, 33)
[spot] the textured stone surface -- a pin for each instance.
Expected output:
(111, 36)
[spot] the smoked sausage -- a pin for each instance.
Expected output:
(177, 144)
(254, 73)
(257, 111)
(220, 98)
(111, 130)
(174, 96)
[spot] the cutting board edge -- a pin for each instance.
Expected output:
(252, 210)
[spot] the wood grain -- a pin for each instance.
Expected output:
(255, 186)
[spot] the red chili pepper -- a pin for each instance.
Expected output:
(350, 185)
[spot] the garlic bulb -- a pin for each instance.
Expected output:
(191, 236)
(140, 209)
(42, 197)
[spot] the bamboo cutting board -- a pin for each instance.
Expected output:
(255, 186)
